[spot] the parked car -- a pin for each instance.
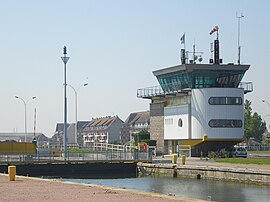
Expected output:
(238, 152)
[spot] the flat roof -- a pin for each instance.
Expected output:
(191, 67)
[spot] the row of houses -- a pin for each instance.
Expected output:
(109, 129)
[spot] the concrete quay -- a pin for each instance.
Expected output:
(209, 169)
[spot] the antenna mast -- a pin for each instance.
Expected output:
(239, 47)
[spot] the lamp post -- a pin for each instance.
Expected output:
(239, 47)
(65, 60)
(267, 115)
(25, 118)
(266, 102)
(76, 108)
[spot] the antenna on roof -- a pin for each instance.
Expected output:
(238, 41)
(196, 55)
(183, 51)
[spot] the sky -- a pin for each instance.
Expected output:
(114, 46)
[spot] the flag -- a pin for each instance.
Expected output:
(215, 29)
(182, 39)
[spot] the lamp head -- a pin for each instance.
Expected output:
(16, 96)
(65, 50)
(85, 84)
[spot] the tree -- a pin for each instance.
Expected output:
(254, 125)
(142, 135)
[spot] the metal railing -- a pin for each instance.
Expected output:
(150, 91)
(47, 156)
(247, 86)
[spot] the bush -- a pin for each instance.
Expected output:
(223, 153)
(212, 155)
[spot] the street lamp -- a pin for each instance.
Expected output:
(25, 119)
(266, 102)
(65, 60)
(76, 108)
(239, 47)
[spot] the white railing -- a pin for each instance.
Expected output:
(49, 156)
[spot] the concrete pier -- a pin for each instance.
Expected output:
(202, 169)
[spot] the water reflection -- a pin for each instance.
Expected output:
(193, 188)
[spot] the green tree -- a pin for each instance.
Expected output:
(254, 125)
(142, 135)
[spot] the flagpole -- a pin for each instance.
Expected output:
(185, 41)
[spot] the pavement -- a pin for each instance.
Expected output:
(37, 189)
(210, 163)
(30, 189)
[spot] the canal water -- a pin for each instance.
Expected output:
(192, 188)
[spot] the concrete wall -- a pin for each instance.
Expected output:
(114, 131)
(172, 131)
(226, 174)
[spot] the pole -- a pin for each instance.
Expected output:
(76, 118)
(65, 60)
(25, 122)
(35, 118)
(25, 116)
(238, 43)
(76, 108)
(65, 113)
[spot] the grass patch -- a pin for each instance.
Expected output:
(245, 160)
(259, 152)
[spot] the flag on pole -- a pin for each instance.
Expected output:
(182, 39)
(214, 29)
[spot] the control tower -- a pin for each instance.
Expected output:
(199, 106)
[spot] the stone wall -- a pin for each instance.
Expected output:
(157, 125)
(225, 174)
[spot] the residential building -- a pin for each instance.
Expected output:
(103, 130)
(57, 138)
(135, 123)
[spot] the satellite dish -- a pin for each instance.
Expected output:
(200, 59)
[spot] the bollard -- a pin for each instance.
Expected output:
(174, 158)
(11, 173)
(174, 171)
(183, 159)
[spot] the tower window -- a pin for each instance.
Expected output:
(180, 122)
(225, 123)
(225, 101)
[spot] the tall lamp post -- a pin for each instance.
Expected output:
(65, 60)
(25, 118)
(266, 102)
(76, 108)
(268, 135)
(239, 47)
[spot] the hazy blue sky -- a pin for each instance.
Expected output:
(115, 46)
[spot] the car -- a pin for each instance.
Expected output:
(238, 152)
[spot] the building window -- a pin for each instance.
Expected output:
(169, 121)
(180, 123)
(225, 101)
(225, 123)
